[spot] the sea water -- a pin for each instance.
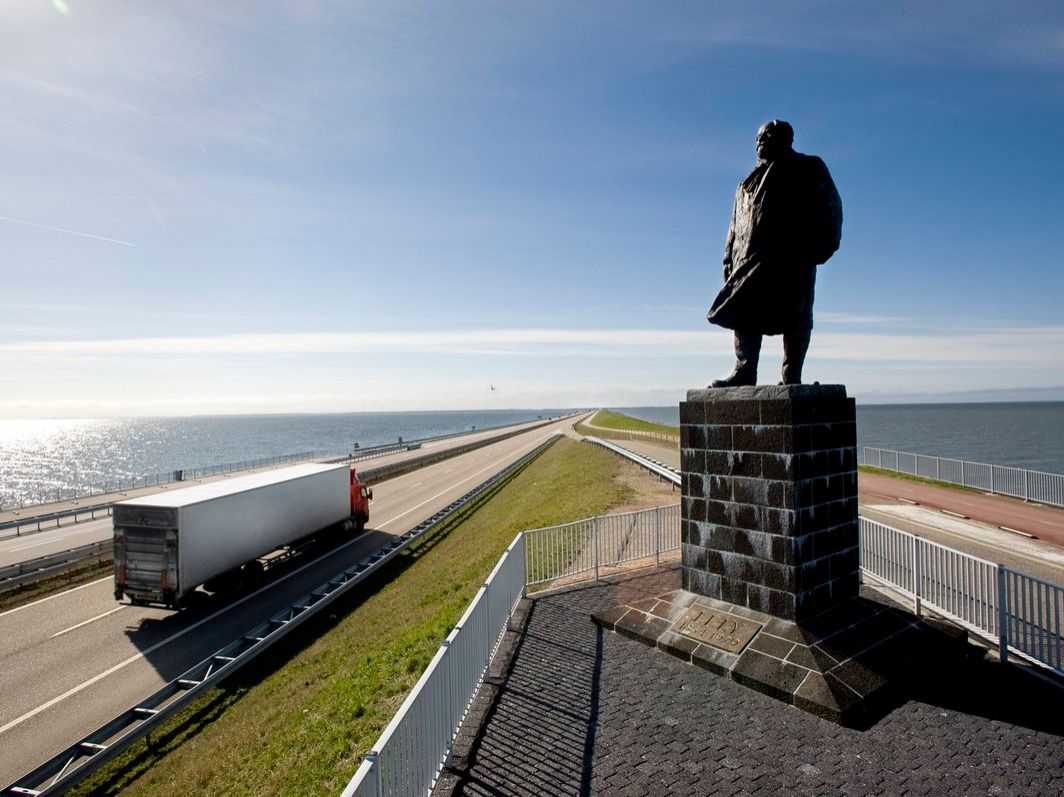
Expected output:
(40, 459)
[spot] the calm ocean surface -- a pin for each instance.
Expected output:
(40, 457)
(1021, 434)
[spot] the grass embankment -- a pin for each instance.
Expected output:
(614, 425)
(908, 477)
(299, 721)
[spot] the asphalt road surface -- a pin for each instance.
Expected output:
(76, 659)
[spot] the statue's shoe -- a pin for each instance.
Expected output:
(735, 379)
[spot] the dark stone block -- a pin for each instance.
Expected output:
(779, 576)
(696, 509)
(768, 675)
(640, 625)
(733, 591)
(744, 464)
(718, 463)
(812, 657)
(778, 521)
(783, 550)
(777, 466)
(719, 488)
(773, 439)
(757, 597)
(693, 556)
(693, 436)
(844, 563)
(812, 574)
(753, 543)
(772, 645)
(713, 659)
(718, 438)
(745, 516)
(692, 412)
(750, 491)
(677, 645)
(693, 460)
(733, 412)
(607, 618)
(860, 677)
(713, 562)
(718, 512)
(826, 696)
(722, 538)
(777, 411)
(782, 604)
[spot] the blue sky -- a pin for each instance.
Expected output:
(311, 206)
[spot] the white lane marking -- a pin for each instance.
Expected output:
(53, 597)
(417, 484)
(111, 670)
(86, 622)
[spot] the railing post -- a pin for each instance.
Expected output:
(938, 468)
(1026, 484)
(964, 474)
(1003, 616)
(594, 544)
(918, 567)
(657, 536)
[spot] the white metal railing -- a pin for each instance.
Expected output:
(1030, 485)
(1015, 610)
(409, 756)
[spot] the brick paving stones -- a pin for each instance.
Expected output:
(583, 711)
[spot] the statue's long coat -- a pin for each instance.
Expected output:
(786, 221)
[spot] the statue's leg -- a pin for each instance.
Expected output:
(795, 346)
(747, 353)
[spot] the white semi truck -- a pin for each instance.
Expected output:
(168, 544)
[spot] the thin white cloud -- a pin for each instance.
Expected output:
(1001, 346)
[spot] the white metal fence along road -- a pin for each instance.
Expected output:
(1030, 485)
(1019, 612)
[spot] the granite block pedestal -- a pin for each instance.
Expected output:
(770, 564)
(769, 515)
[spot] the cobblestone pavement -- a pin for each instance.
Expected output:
(580, 711)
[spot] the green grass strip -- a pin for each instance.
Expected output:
(908, 477)
(298, 721)
(615, 420)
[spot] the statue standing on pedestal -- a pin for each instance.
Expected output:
(786, 221)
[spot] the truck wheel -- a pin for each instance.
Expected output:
(360, 525)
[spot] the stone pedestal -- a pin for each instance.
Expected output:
(770, 498)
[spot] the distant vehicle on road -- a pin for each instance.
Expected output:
(217, 534)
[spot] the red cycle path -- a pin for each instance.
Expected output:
(1044, 522)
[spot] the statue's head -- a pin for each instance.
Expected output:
(774, 139)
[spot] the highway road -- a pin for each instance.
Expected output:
(14, 549)
(74, 660)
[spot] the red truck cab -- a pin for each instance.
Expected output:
(360, 498)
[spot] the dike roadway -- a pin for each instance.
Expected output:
(78, 658)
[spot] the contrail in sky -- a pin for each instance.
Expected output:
(68, 232)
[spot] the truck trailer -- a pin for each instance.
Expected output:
(168, 544)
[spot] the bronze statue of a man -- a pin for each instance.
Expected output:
(786, 221)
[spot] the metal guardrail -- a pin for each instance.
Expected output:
(36, 521)
(12, 576)
(659, 468)
(1030, 485)
(76, 762)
